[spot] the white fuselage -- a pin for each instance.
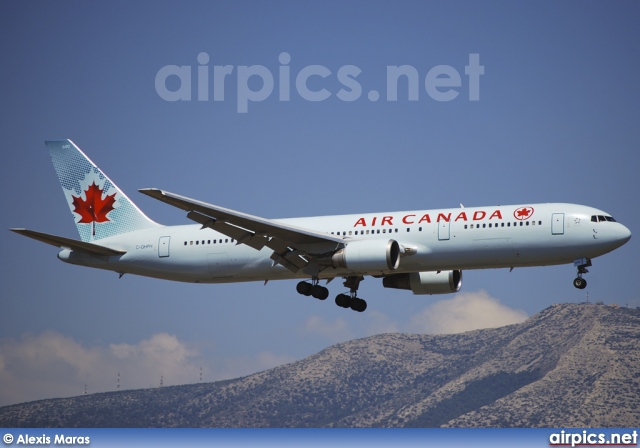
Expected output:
(432, 240)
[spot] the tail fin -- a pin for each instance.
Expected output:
(99, 208)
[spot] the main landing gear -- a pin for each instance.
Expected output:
(350, 300)
(312, 289)
(582, 264)
(342, 300)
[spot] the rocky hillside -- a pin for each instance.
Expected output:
(569, 366)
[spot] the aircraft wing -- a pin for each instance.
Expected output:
(68, 243)
(292, 246)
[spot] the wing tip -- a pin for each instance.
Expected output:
(153, 192)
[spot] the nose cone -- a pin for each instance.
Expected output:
(624, 235)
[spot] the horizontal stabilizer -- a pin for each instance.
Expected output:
(68, 243)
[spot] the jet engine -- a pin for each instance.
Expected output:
(368, 255)
(433, 282)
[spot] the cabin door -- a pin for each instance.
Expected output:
(163, 246)
(557, 224)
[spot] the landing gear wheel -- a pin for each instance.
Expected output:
(350, 300)
(304, 288)
(319, 292)
(358, 305)
(582, 264)
(343, 300)
(580, 283)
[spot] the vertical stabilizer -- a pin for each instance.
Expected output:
(99, 208)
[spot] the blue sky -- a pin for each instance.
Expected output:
(556, 121)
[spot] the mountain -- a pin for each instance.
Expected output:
(571, 365)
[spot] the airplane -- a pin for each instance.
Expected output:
(424, 251)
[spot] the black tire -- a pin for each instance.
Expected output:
(343, 300)
(319, 292)
(358, 305)
(304, 288)
(580, 283)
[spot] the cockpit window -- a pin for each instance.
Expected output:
(602, 218)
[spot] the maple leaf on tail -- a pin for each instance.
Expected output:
(94, 208)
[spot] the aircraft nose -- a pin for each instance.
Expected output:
(624, 234)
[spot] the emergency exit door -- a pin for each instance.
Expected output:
(163, 246)
(444, 230)
(557, 224)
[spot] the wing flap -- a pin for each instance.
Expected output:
(68, 243)
(242, 236)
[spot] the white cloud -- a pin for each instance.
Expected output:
(336, 331)
(51, 365)
(161, 355)
(464, 312)
(378, 323)
(47, 365)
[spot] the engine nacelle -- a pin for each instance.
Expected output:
(440, 282)
(368, 255)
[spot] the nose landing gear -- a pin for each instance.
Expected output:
(582, 264)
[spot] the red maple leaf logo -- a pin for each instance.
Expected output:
(523, 213)
(94, 208)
